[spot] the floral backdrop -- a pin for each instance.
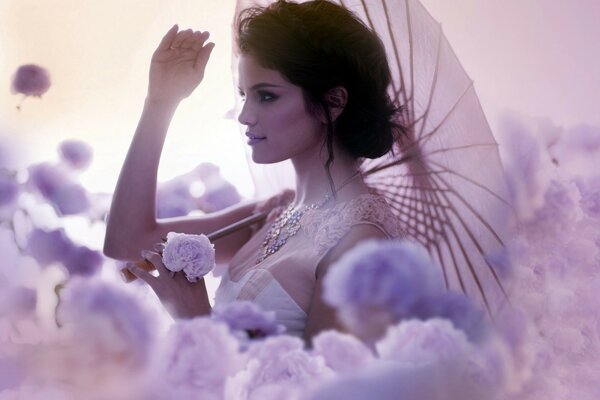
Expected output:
(71, 328)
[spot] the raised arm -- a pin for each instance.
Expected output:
(176, 69)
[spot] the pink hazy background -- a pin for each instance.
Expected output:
(538, 58)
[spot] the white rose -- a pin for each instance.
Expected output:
(192, 254)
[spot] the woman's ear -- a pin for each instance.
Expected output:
(336, 99)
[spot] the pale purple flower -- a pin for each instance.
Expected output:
(590, 196)
(276, 361)
(416, 342)
(249, 318)
(46, 178)
(82, 261)
(18, 302)
(528, 164)
(192, 254)
(218, 198)
(342, 353)
(76, 153)
(458, 309)
(173, 199)
(12, 373)
(70, 199)
(198, 357)
(9, 189)
(385, 381)
(106, 336)
(48, 247)
(31, 80)
(377, 282)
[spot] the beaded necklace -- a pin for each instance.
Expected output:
(287, 224)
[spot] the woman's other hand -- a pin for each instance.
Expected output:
(178, 65)
(180, 297)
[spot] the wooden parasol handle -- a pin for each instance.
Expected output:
(236, 226)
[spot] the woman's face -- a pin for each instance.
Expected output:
(279, 126)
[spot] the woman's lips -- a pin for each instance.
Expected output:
(254, 139)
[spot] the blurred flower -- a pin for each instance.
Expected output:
(31, 80)
(17, 302)
(376, 283)
(76, 153)
(83, 261)
(46, 178)
(276, 362)
(104, 343)
(192, 254)
(342, 352)
(70, 199)
(590, 196)
(198, 357)
(219, 198)
(9, 188)
(416, 342)
(218, 192)
(456, 308)
(47, 247)
(249, 318)
(528, 165)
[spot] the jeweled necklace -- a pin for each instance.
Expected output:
(287, 224)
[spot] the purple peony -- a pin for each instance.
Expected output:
(249, 318)
(48, 247)
(218, 198)
(415, 342)
(378, 282)
(70, 199)
(17, 302)
(106, 336)
(82, 261)
(455, 307)
(46, 178)
(590, 196)
(343, 353)
(76, 153)
(192, 254)
(174, 199)
(31, 80)
(274, 362)
(198, 357)
(9, 189)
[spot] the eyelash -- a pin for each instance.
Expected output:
(263, 96)
(266, 97)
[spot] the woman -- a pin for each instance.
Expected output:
(314, 83)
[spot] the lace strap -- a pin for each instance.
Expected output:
(326, 227)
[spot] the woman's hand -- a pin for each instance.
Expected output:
(180, 297)
(178, 65)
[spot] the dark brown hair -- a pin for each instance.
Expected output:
(318, 45)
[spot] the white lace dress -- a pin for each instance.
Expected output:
(284, 282)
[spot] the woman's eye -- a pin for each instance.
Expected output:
(266, 96)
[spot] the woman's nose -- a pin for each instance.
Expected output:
(246, 116)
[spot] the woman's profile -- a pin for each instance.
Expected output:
(314, 81)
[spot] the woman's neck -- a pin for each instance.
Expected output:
(312, 182)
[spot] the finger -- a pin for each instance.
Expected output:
(188, 42)
(140, 273)
(199, 38)
(158, 247)
(202, 59)
(166, 41)
(181, 36)
(155, 259)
